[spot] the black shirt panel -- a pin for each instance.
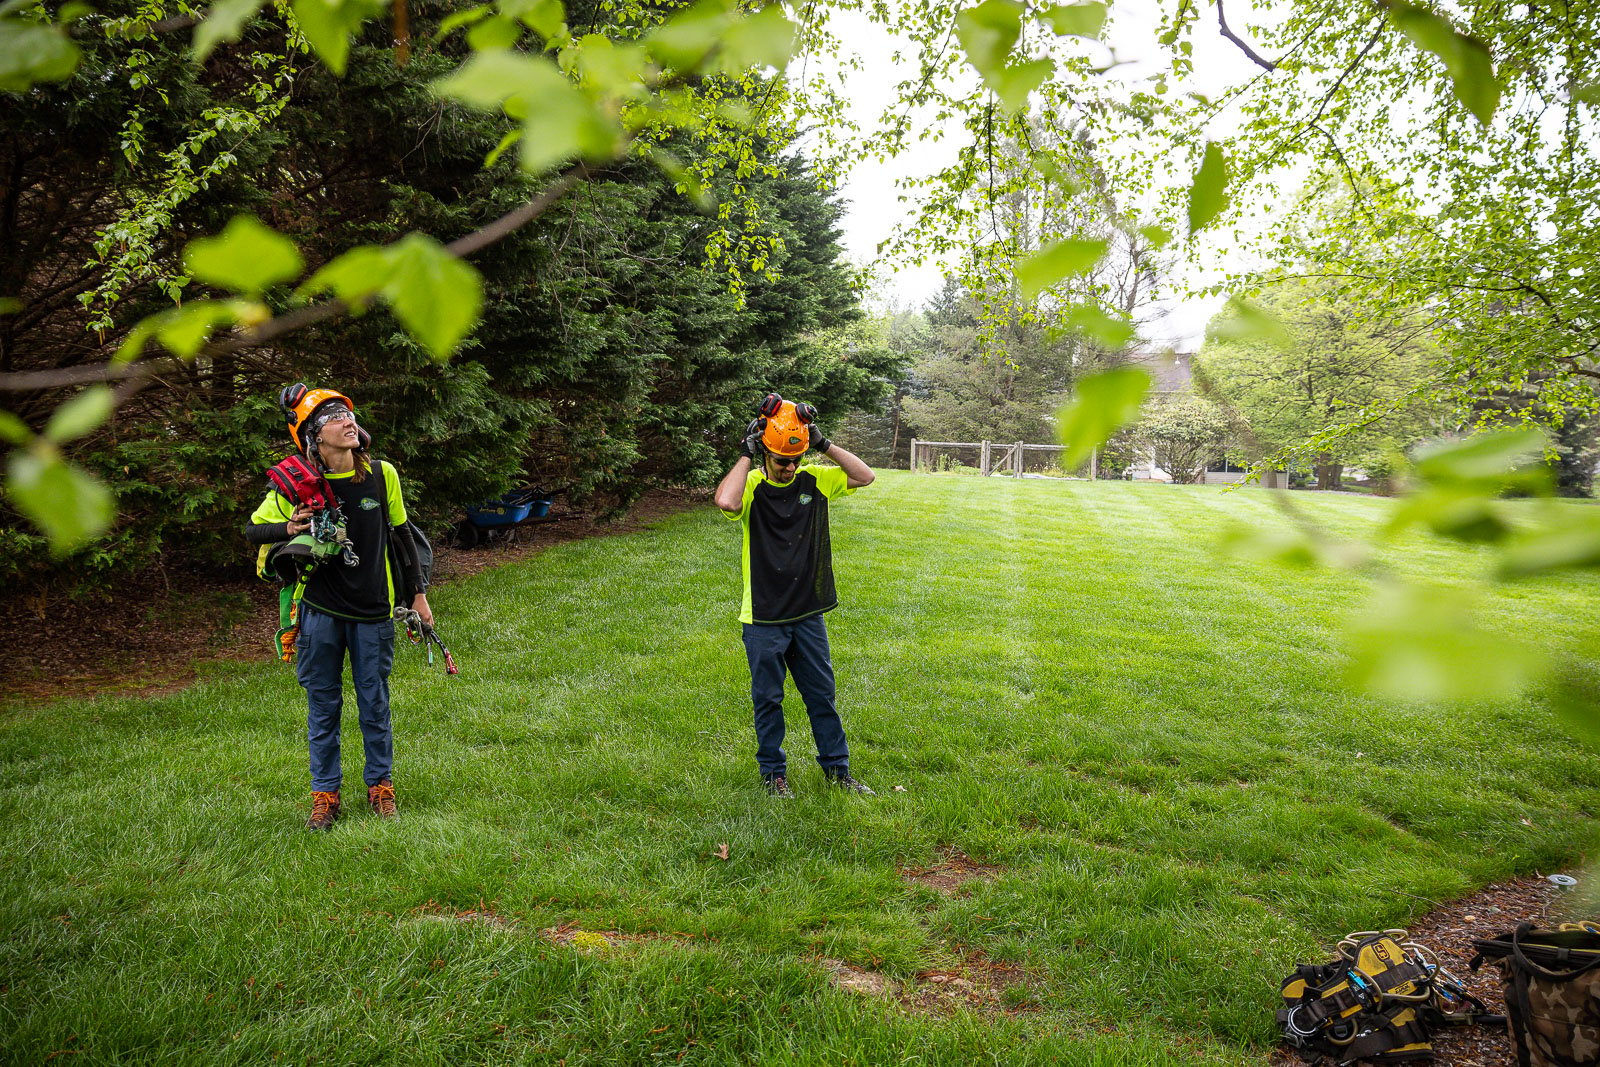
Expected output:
(360, 592)
(791, 559)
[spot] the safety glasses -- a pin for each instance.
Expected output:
(786, 461)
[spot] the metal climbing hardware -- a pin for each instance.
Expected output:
(421, 633)
(1377, 1001)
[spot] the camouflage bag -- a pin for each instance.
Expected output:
(1551, 980)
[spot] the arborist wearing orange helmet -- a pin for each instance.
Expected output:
(347, 497)
(782, 508)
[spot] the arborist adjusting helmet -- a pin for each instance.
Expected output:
(301, 405)
(788, 430)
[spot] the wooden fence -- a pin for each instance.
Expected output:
(992, 455)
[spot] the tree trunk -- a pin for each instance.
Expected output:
(894, 440)
(1330, 475)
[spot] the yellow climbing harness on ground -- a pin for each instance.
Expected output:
(1378, 1001)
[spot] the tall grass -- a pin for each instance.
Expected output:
(1065, 679)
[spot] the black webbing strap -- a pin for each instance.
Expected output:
(1382, 1035)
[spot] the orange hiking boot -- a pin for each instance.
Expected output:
(380, 798)
(324, 810)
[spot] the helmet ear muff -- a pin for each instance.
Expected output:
(290, 396)
(770, 404)
(805, 413)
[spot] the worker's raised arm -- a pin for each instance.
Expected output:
(857, 471)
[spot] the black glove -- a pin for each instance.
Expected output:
(751, 447)
(819, 442)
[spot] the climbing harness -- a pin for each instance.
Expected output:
(421, 633)
(292, 562)
(1376, 1002)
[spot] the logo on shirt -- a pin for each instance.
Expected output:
(367, 503)
(805, 498)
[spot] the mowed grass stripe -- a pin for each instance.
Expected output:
(1066, 680)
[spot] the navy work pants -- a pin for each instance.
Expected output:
(319, 656)
(799, 649)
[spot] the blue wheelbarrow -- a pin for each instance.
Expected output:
(500, 518)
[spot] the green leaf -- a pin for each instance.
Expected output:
(14, 430)
(684, 40)
(224, 22)
(1482, 457)
(69, 506)
(436, 296)
(186, 329)
(499, 150)
(765, 39)
(1575, 697)
(328, 25)
(1247, 322)
(354, 277)
(1465, 513)
(612, 69)
(1208, 196)
(1293, 548)
(547, 18)
(83, 414)
(1420, 643)
(489, 79)
(1572, 541)
(683, 179)
(33, 52)
(1102, 404)
(132, 346)
(1013, 84)
(1158, 236)
(246, 257)
(1078, 20)
(450, 23)
(1588, 93)
(9, 305)
(566, 123)
(1466, 58)
(1108, 331)
(494, 33)
(1056, 261)
(987, 34)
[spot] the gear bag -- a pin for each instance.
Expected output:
(1551, 980)
(1376, 1002)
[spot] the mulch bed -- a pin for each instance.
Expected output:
(148, 636)
(1449, 930)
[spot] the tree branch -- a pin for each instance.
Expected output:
(1244, 46)
(507, 224)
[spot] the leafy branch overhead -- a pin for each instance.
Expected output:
(587, 101)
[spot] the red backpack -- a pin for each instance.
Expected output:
(301, 483)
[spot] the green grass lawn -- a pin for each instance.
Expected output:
(1148, 739)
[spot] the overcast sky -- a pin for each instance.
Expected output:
(873, 200)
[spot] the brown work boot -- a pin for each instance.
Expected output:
(380, 798)
(324, 810)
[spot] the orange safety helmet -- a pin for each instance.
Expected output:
(788, 431)
(300, 403)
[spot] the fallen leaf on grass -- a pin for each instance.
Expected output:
(722, 851)
(899, 789)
